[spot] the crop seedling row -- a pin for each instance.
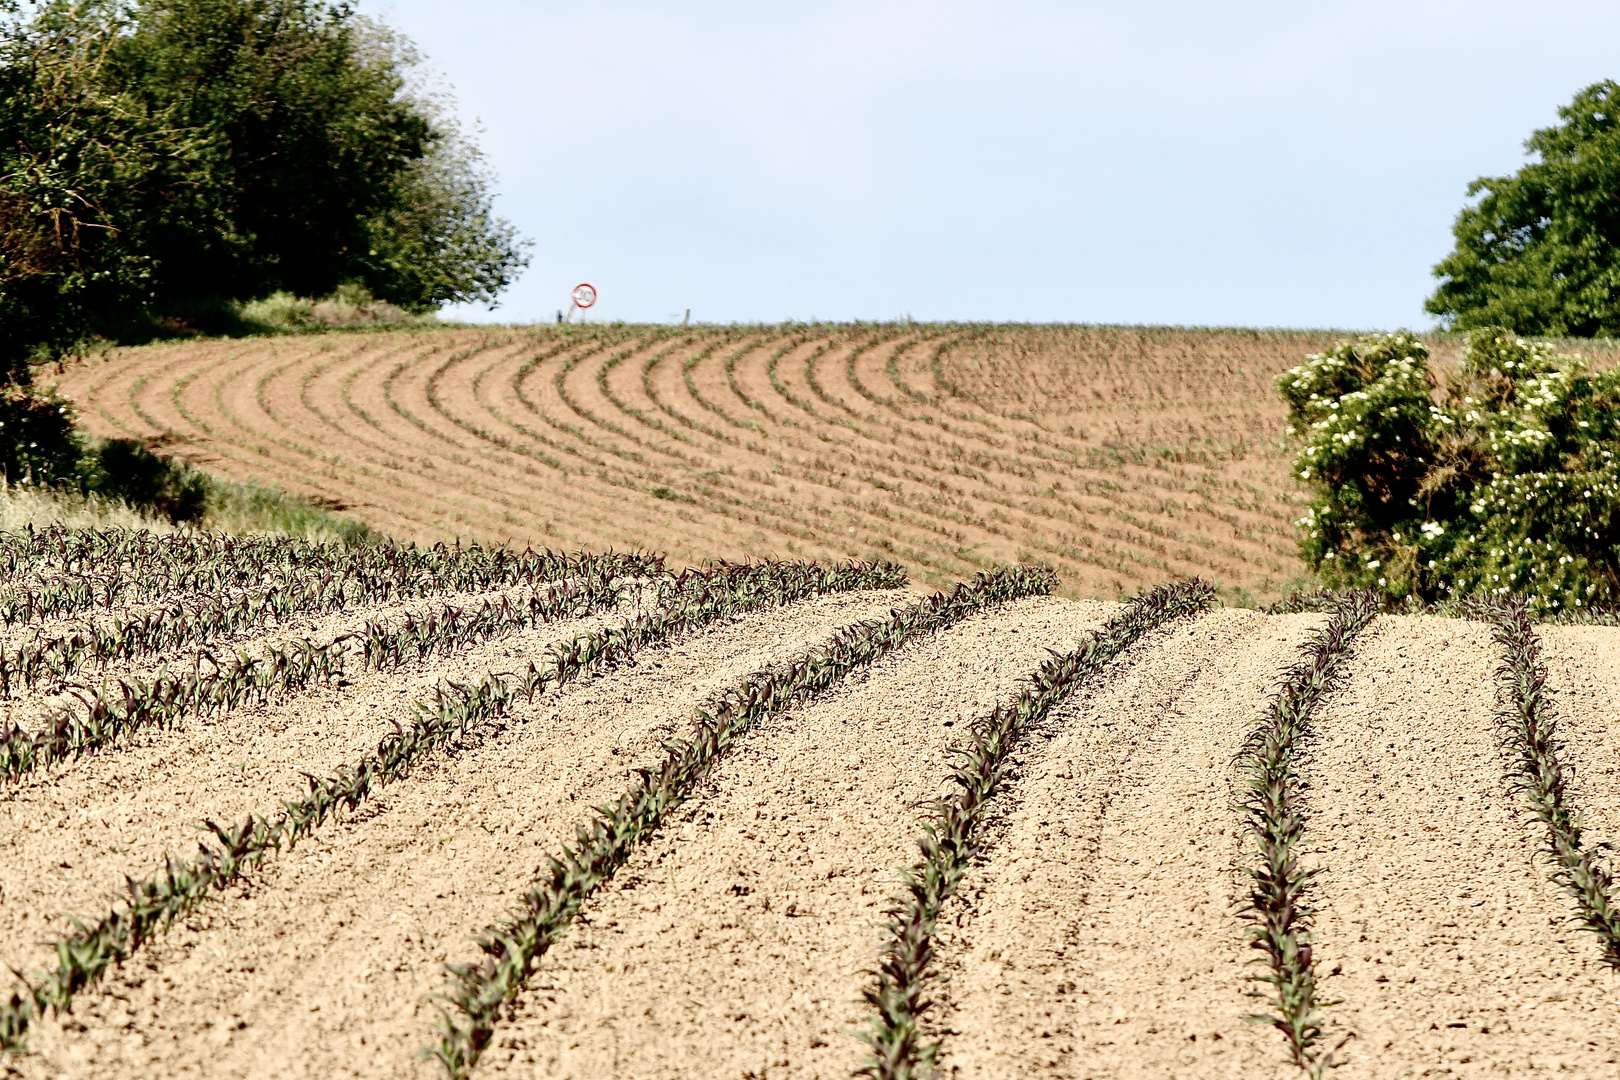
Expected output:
(103, 568)
(690, 600)
(479, 991)
(1529, 728)
(902, 1048)
(107, 712)
(1278, 911)
(182, 623)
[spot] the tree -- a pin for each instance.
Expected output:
(162, 158)
(1540, 251)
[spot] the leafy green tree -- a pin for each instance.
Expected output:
(160, 159)
(1539, 253)
(1506, 482)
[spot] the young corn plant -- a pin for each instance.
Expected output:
(479, 991)
(902, 1047)
(1278, 911)
(1529, 728)
(690, 600)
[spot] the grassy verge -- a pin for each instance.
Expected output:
(480, 991)
(1530, 732)
(1279, 911)
(30, 505)
(250, 508)
(211, 503)
(902, 1048)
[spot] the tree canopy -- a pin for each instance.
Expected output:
(1539, 253)
(161, 158)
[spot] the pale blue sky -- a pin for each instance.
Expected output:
(1260, 164)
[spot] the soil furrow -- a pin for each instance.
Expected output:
(323, 965)
(735, 944)
(1099, 938)
(1437, 924)
(73, 831)
(1583, 672)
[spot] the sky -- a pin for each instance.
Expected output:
(1236, 164)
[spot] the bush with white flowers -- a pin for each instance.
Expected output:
(1507, 481)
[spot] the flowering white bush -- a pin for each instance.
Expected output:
(1508, 482)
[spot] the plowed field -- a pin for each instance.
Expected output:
(1122, 457)
(539, 816)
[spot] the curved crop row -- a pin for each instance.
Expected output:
(480, 991)
(902, 1049)
(105, 713)
(183, 623)
(819, 441)
(106, 567)
(1530, 734)
(692, 600)
(1279, 912)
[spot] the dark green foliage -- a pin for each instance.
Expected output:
(1508, 482)
(1279, 911)
(1540, 252)
(124, 469)
(902, 1048)
(1530, 731)
(37, 441)
(602, 844)
(160, 159)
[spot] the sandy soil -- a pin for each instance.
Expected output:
(1439, 929)
(1099, 937)
(323, 968)
(72, 831)
(1099, 940)
(735, 944)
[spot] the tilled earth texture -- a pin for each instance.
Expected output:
(588, 816)
(1121, 456)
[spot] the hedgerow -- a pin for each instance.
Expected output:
(1505, 482)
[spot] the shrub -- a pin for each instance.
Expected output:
(349, 305)
(37, 440)
(1505, 483)
(125, 470)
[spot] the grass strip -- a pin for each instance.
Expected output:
(106, 713)
(1278, 911)
(479, 991)
(902, 1048)
(1529, 727)
(693, 599)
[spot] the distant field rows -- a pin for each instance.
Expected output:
(1121, 457)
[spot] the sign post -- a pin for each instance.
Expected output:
(583, 296)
